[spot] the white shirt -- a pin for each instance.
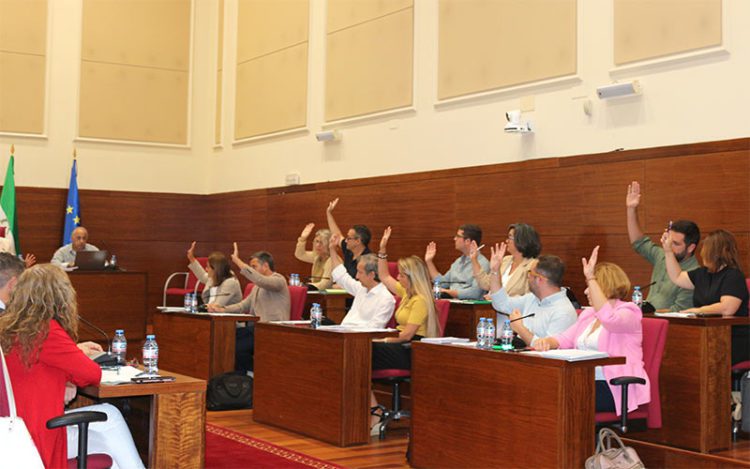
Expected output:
(590, 341)
(552, 315)
(371, 308)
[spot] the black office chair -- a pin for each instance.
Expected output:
(82, 420)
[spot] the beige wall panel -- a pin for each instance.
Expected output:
(265, 26)
(489, 44)
(345, 13)
(272, 93)
(22, 93)
(219, 93)
(132, 103)
(645, 29)
(370, 67)
(23, 26)
(153, 33)
(220, 57)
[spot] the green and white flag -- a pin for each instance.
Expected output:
(8, 210)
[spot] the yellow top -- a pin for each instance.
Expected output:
(412, 310)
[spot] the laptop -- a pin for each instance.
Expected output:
(91, 260)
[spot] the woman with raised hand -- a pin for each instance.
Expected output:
(416, 316)
(319, 257)
(718, 287)
(38, 334)
(610, 324)
(523, 247)
(221, 286)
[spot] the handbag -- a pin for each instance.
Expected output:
(229, 391)
(608, 457)
(16, 446)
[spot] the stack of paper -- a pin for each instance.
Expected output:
(171, 309)
(120, 375)
(292, 323)
(571, 355)
(444, 340)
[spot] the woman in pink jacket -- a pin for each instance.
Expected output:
(610, 325)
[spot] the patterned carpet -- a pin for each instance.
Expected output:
(227, 449)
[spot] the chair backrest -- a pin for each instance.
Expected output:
(442, 307)
(297, 296)
(248, 289)
(654, 339)
(393, 269)
(192, 280)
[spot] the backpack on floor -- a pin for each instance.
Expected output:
(230, 391)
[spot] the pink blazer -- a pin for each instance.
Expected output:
(621, 336)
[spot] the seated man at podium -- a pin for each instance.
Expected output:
(66, 255)
(269, 300)
(373, 304)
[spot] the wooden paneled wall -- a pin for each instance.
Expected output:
(574, 202)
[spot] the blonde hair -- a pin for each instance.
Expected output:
(420, 285)
(325, 238)
(613, 281)
(43, 293)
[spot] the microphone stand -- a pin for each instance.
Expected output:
(107, 359)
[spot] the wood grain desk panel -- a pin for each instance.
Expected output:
(469, 406)
(463, 319)
(176, 418)
(695, 382)
(314, 382)
(112, 300)
(198, 345)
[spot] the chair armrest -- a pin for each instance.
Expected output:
(625, 380)
(74, 418)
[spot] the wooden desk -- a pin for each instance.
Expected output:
(167, 420)
(463, 318)
(695, 381)
(112, 300)
(314, 382)
(333, 303)
(198, 345)
(484, 408)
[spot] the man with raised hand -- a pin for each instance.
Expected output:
(663, 294)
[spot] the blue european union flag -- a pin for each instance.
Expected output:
(72, 214)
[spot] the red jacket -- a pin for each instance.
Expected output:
(40, 389)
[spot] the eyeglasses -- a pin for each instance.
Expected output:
(533, 273)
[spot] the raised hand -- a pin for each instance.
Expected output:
(634, 195)
(191, 252)
(590, 265)
(473, 250)
(384, 239)
(332, 205)
(497, 254)
(307, 230)
(236, 256)
(666, 241)
(29, 260)
(429, 254)
(334, 242)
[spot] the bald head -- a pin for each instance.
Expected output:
(79, 238)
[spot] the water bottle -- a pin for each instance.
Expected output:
(316, 316)
(637, 296)
(188, 302)
(506, 336)
(436, 290)
(113, 262)
(297, 281)
(481, 331)
(151, 355)
(120, 346)
(194, 303)
(489, 333)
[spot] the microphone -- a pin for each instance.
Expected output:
(316, 277)
(106, 358)
(522, 317)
